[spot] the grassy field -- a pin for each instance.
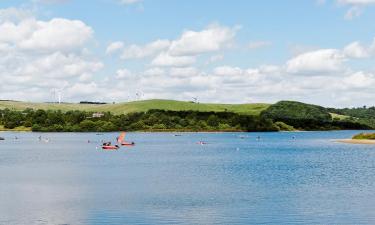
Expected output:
(338, 116)
(141, 106)
(15, 129)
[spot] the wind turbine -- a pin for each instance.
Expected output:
(60, 94)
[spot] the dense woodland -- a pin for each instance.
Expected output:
(282, 116)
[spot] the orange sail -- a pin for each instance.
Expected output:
(121, 138)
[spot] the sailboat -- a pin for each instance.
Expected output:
(121, 140)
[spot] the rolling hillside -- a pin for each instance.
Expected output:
(139, 106)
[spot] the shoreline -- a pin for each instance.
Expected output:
(356, 141)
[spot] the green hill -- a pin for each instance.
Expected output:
(141, 106)
(310, 117)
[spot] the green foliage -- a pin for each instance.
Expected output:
(364, 136)
(80, 121)
(284, 127)
(363, 115)
(308, 117)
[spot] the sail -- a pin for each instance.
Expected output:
(121, 138)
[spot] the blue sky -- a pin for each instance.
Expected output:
(219, 51)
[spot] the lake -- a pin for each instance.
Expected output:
(236, 178)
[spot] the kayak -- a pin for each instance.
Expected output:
(111, 147)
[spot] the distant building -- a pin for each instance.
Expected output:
(97, 115)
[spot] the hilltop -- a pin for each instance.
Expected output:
(141, 106)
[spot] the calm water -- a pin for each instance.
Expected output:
(168, 179)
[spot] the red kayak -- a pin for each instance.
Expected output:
(110, 147)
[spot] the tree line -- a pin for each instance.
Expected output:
(152, 120)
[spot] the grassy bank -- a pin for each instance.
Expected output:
(141, 106)
(22, 128)
(364, 136)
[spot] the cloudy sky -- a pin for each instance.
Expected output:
(238, 51)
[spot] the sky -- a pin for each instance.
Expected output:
(219, 51)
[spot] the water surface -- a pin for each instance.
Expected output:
(292, 177)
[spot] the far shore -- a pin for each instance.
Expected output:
(356, 141)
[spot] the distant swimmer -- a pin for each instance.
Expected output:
(258, 138)
(201, 143)
(40, 138)
(294, 137)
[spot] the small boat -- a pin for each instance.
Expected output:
(121, 140)
(110, 147)
(2, 139)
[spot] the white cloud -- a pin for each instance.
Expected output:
(360, 80)
(54, 35)
(165, 59)
(38, 55)
(227, 71)
(138, 52)
(57, 34)
(123, 73)
(319, 62)
(184, 50)
(212, 39)
(114, 47)
(356, 50)
(183, 71)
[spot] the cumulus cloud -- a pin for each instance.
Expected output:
(114, 47)
(182, 51)
(212, 39)
(54, 35)
(150, 49)
(165, 59)
(38, 55)
(319, 62)
(360, 80)
(357, 50)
